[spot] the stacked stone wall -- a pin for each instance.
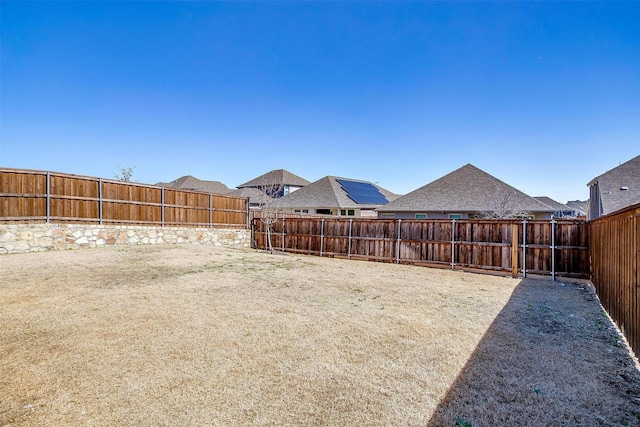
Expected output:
(19, 238)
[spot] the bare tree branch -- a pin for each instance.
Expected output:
(505, 203)
(124, 173)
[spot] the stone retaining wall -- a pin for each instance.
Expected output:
(18, 238)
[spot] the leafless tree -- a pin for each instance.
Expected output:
(124, 173)
(504, 203)
(269, 211)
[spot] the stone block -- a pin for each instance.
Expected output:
(45, 242)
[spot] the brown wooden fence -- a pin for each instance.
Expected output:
(541, 247)
(56, 197)
(615, 256)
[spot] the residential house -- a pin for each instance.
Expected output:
(256, 197)
(467, 192)
(579, 207)
(276, 183)
(189, 182)
(337, 196)
(615, 189)
(559, 210)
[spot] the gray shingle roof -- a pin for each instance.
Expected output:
(467, 189)
(612, 197)
(578, 206)
(189, 182)
(327, 193)
(276, 177)
(255, 196)
(556, 206)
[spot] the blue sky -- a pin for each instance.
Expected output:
(543, 95)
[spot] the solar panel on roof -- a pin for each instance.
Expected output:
(362, 192)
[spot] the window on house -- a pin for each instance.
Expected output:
(421, 216)
(347, 212)
(387, 215)
(455, 216)
(323, 211)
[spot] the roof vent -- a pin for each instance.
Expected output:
(624, 188)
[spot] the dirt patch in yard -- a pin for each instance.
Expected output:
(195, 335)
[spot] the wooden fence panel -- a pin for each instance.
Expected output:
(23, 192)
(572, 249)
(615, 253)
(473, 244)
(38, 196)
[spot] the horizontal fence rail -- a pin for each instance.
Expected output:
(56, 197)
(541, 247)
(615, 256)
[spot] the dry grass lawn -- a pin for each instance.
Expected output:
(195, 335)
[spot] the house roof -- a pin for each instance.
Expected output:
(611, 184)
(578, 206)
(327, 193)
(189, 182)
(467, 189)
(255, 196)
(276, 177)
(556, 206)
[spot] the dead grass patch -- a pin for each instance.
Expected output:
(193, 335)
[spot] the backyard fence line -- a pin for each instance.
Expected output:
(27, 195)
(541, 247)
(615, 256)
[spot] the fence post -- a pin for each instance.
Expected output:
(48, 207)
(524, 249)
(453, 243)
(349, 250)
(399, 242)
(246, 209)
(162, 203)
(514, 250)
(553, 250)
(321, 236)
(210, 210)
(100, 199)
(282, 245)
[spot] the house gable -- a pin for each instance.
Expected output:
(615, 189)
(463, 191)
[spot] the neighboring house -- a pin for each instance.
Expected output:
(276, 183)
(559, 210)
(189, 182)
(337, 196)
(579, 207)
(467, 192)
(615, 189)
(256, 197)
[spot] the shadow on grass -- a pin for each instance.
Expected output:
(551, 357)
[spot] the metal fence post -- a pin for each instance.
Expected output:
(246, 209)
(524, 248)
(321, 236)
(553, 250)
(349, 250)
(399, 242)
(162, 209)
(453, 243)
(48, 208)
(100, 200)
(210, 210)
